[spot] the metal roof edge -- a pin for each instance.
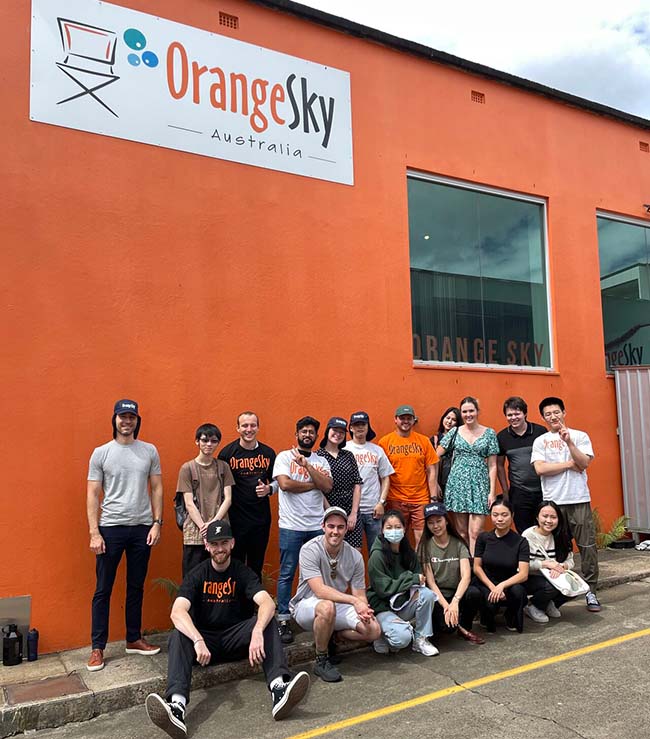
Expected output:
(441, 57)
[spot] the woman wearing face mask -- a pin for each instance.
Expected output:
(449, 420)
(397, 591)
(470, 488)
(445, 561)
(550, 549)
(501, 569)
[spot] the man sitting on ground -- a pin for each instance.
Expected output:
(214, 620)
(329, 567)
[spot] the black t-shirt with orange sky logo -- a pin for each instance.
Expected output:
(220, 599)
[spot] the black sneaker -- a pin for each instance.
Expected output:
(326, 670)
(170, 717)
(593, 604)
(286, 635)
(332, 651)
(287, 695)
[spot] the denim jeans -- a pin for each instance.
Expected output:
(396, 625)
(290, 543)
(371, 527)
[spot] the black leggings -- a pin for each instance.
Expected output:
(516, 599)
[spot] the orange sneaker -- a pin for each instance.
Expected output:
(141, 647)
(96, 661)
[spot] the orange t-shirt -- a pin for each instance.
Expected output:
(410, 456)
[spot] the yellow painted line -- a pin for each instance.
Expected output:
(486, 680)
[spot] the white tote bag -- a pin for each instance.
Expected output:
(568, 583)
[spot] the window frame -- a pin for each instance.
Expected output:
(630, 221)
(512, 195)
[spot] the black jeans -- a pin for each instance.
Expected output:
(228, 645)
(467, 608)
(119, 540)
(516, 599)
(524, 507)
(250, 546)
(543, 592)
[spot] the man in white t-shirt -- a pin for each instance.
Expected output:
(331, 595)
(302, 478)
(375, 470)
(561, 457)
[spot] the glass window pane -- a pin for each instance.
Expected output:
(624, 250)
(478, 283)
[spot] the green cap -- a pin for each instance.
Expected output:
(405, 410)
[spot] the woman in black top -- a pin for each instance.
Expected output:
(346, 488)
(501, 562)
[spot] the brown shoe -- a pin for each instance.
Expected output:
(470, 636)
(141, 647)
(96, 661)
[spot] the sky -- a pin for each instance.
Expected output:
(599, 50)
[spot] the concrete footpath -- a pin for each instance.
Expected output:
(57, 689)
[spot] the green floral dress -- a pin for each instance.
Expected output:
(468, 484)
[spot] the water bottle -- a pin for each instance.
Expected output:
(32, 645)
(12, 646)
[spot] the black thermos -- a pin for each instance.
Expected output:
(32, 645)
(12, 646)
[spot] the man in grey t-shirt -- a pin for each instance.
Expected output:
(329, 568)
(122, 520)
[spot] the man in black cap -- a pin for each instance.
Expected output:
(215, 622)
(123, 520)
(375, 470)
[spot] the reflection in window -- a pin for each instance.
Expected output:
(478, 278)
(624, 249)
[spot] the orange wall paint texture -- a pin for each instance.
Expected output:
(201, 287)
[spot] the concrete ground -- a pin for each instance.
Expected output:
(514, 686)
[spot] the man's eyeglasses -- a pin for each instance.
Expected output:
(209, 441)
(334, 563)
(552, 414)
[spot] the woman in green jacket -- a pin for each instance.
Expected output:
(397, 591)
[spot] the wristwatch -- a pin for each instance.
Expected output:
(158, 521)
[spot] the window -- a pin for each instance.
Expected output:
(478, 275)
(624, 248)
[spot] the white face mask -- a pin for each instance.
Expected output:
(394, 536)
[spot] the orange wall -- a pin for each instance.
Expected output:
(201, 287)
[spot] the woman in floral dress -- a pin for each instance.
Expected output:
(470, 488)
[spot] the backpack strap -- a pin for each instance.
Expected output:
(195, 476)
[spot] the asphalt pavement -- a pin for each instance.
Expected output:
(584, 675)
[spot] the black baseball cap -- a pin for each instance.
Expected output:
(218, 531)
(126, 406)
(362, 417)
(335, 422)
(434, 509)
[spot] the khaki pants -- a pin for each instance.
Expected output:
(581, 524)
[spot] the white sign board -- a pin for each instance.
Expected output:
(117, 72)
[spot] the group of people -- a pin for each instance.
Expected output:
(439, 490)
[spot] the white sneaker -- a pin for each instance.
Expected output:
(381, 645)
(533, 613)
(422, 645)
(553, 611)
